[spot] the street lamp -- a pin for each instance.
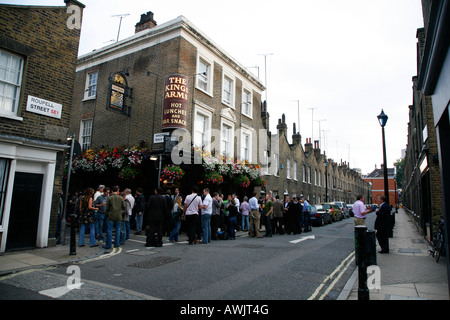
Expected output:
(382, 119)
(325, 162)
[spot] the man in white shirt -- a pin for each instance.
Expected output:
(206, 216)
(255, 216)
(192, 204)
(131, 200)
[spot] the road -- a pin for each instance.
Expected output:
(311, 266)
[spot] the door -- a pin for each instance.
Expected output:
(24, 214)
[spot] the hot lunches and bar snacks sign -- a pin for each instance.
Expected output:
(175, 102)
(44, 107)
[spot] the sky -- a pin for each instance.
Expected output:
(337, 62)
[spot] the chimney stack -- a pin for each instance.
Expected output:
(146, 22)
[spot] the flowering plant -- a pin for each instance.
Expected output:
(213, 177)
(104, 159)
(242, 180)
(128, 173)
(172, 172)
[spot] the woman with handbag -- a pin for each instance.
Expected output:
(87, 218)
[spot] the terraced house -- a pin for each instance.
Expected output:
(38, 54)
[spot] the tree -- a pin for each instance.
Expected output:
(400, 165)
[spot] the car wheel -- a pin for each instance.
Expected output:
(322, 222)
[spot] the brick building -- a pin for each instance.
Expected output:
(376, 179)
(38, 53)
(302, 170)
(225, 114)
(119, 94)
(433, 78)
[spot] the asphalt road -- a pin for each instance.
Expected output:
(311, 266)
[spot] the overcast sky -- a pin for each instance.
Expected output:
(348, 59)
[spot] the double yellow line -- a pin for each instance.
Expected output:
(338, 272)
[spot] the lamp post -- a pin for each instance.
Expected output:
(325, 162)
(382, 119)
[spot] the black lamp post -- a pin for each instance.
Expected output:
(325, 162)
(382, 119)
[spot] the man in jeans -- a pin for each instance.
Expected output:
(114, 207)
(99, 216)
(206, 216)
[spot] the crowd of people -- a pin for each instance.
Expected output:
(203, 216)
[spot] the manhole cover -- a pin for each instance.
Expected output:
(154, 262)
(252, 246)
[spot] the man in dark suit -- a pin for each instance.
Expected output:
(156, 207)
(383, 225)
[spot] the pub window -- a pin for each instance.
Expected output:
(86, 134)
(91, 85)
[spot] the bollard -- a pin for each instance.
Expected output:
(361, 261)
(73, 231)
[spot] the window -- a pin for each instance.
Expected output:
(226, 146)
(315, 177)
(320, 178)
(247, 103)
(86, 134)
(288, 168)
(275, 164)
(91, 85)
(304, 173)
(201, 128)
(203, 75)
(309, 175)
(295, 170)
(4, 173)
(11, 69)
(266, 162)
(246, 146)
(228, 91)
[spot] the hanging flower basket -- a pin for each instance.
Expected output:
(128, 173)
(242, 180)
(172, 173)
(213, 177)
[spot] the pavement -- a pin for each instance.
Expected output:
(408, 272)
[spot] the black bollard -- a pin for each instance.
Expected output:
(361, 261)
(73, 231)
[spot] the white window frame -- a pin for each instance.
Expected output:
(15, 86)
(308, 171)
(275, 164)
(90, 93)
(204, 82)
(246, 133)
(288, 168)
(230, 125)
(232, 83)
(247, 104)
(295, 170)
(304, 173)
(266, 162)
(207, 134)
(86, 133)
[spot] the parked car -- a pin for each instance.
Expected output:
(343, 207)
(319, 216)
(333, 209)
(350, 209)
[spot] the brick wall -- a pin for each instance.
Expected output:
(49, 48)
